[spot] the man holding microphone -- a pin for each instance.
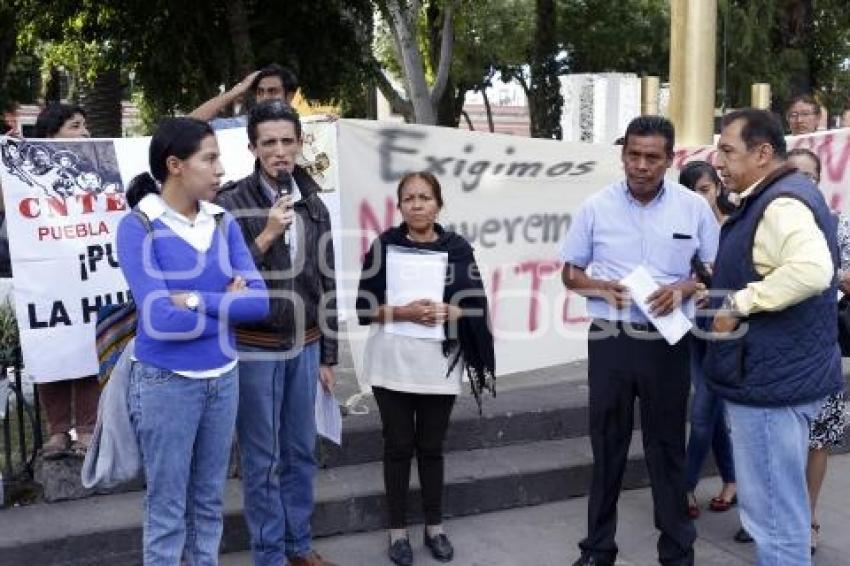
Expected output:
(288, 231)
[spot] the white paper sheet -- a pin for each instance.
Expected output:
(412, 275)
(672, 326)
(328, 416)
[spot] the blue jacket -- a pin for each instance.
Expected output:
(787, 357)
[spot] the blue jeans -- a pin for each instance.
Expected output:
(771, 446)
(277, 441)
(185, 431)
(708, 427)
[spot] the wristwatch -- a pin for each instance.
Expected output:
(730, 306)
(193, 301)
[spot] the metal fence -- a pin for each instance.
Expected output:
(21, 429)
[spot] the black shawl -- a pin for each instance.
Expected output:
(469, 339)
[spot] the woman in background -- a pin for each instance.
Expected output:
(708, 426)
(78, 397)
(827, 430)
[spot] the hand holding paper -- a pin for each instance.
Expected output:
(674, 324)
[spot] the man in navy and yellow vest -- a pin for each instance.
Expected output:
(774, 357)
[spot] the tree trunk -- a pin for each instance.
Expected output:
(797, 31)
(545, 100)
(102, 102)
(468, 121)
(240, 36)
(403, 22)
(8, 37)
(488, 109)
(53, 87)
(445, 94)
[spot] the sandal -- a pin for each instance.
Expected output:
(815, 535)
(80, 446)
(57, 446)
(719, 505)
(693, 508)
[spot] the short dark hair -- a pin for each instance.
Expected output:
(803, 152)
(652, 126)
(426, 176)
(268, 111)
(287, 78)
(760, 126)
(51, 119)
(805, 98)
(692, 172)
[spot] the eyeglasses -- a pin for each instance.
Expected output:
(798, 115)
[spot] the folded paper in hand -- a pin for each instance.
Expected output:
(672, 326)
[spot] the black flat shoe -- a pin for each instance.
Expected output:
(588, 560)
(400, 552)
(440, 547)
(742, 536)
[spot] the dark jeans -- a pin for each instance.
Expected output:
(413, 422)
(708, 426)
(622, 368)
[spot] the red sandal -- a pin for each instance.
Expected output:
(693, 508)
(719, 505)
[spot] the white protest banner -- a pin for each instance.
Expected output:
(512, 198)
(64, 200)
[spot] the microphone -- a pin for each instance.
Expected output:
(284, 188)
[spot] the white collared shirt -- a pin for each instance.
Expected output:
(198, 233)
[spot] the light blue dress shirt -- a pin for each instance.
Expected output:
(229, 122)
(612, 233)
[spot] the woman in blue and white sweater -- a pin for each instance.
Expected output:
(192, 278)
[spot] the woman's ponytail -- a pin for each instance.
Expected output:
(141, 186)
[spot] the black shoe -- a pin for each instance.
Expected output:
(441, 548)
(400, 552)
(590, 560)
(742, 536)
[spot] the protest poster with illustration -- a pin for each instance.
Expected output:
(64, 200)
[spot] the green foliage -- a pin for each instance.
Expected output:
(488, 36)
(9, 338)
(630, 36)
(795, 45)
(8, 35)
(182, 51)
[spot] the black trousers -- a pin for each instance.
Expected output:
(413, 423)
(623, 367)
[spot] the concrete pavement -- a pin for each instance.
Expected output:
(546, 535)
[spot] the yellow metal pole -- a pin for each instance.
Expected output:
(760, 96)
(678, 48)
(697, 125)
(649, 87)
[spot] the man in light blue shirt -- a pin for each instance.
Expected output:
(640, 221)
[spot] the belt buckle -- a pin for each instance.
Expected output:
(641, 327)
